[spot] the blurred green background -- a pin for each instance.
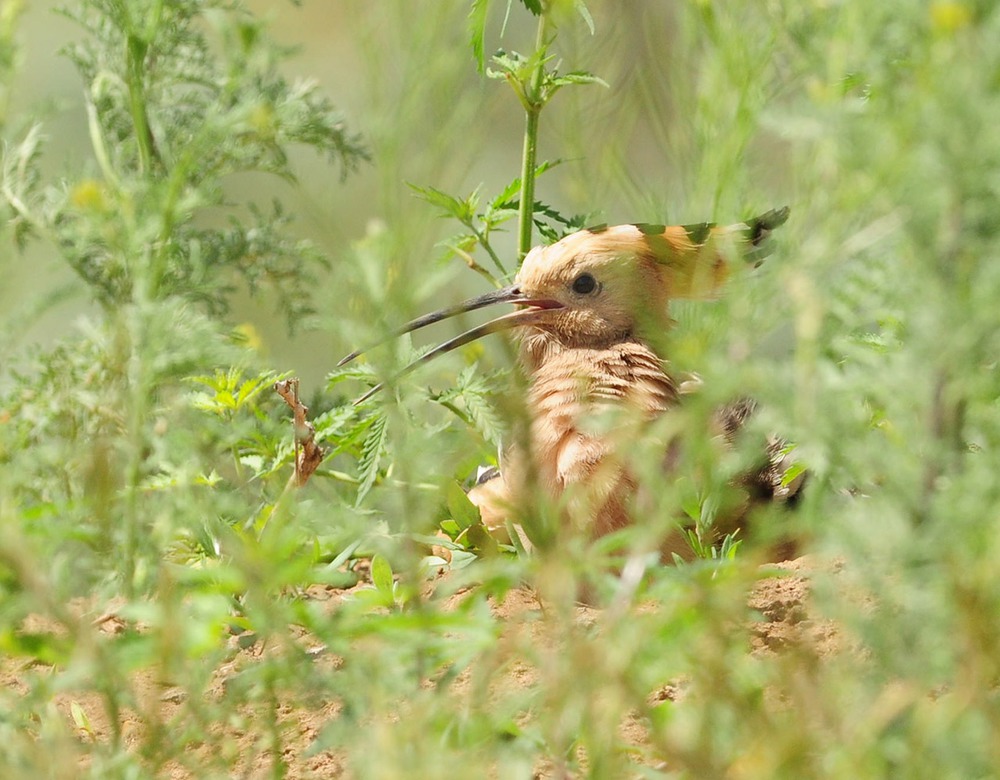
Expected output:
(403, 74)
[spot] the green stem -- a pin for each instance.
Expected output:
(138, 38)
(484, 242)
(147, 276)
(137, 47)
(470, 261)
(533, 108)
(136, 59)
(451, 407)
(137, 414)
(527, 206)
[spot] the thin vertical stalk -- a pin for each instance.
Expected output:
(137, 47)
(533, 108)
(136, 377)
(136, 59)
(527, 207)
(145, 286)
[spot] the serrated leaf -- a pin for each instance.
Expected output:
(535, 6)
(477, 31)
(371, 456)
(466, 376)
(461, 246)
(463, 242)
(360, 371)
(462, 210)
(329, 430)
(330, 423)
(575, 77)
(511, 65)
(548, 233)
(484, 415)
(507, 195)
(494, 218)
(475, 393)
(544, 209)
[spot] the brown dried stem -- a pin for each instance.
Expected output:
(308, 454)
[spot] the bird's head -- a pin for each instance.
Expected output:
(602, 285)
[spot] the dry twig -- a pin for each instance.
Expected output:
(308, 454)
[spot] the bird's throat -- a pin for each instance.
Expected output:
(563, 379)
(571, 388)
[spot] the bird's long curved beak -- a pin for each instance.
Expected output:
(535, 312)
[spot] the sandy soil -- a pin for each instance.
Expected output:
(782, 602)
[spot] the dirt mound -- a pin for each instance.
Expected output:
(787, 617)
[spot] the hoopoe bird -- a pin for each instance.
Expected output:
(589, 307)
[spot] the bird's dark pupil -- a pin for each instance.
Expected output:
(584, 283)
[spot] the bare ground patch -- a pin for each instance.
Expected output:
(154, 711)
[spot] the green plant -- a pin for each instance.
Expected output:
(534, 80)
(176, 108)
(173, 604)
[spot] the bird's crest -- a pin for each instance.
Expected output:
(697, 254)
(557, 285)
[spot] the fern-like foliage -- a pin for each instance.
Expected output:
(180, 96)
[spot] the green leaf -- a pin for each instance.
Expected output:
(371, 455)
(588, 20)
(464, 210)
(727, 550)
(360, 371)
(476, 393)
(39, 647)
(511, 65)
(791, 473)
(477, 31)
(535, 6)
(382, 576)
(80, 718)
(695, 543)
(481, 540)
(461, 246)
(576, 77)
(461, 509)
(515, 538)
(506, 197)
(343, 556)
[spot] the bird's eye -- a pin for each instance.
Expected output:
(584, 284)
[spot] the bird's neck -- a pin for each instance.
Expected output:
(571, 389)
(625, 370)
(574, 391)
